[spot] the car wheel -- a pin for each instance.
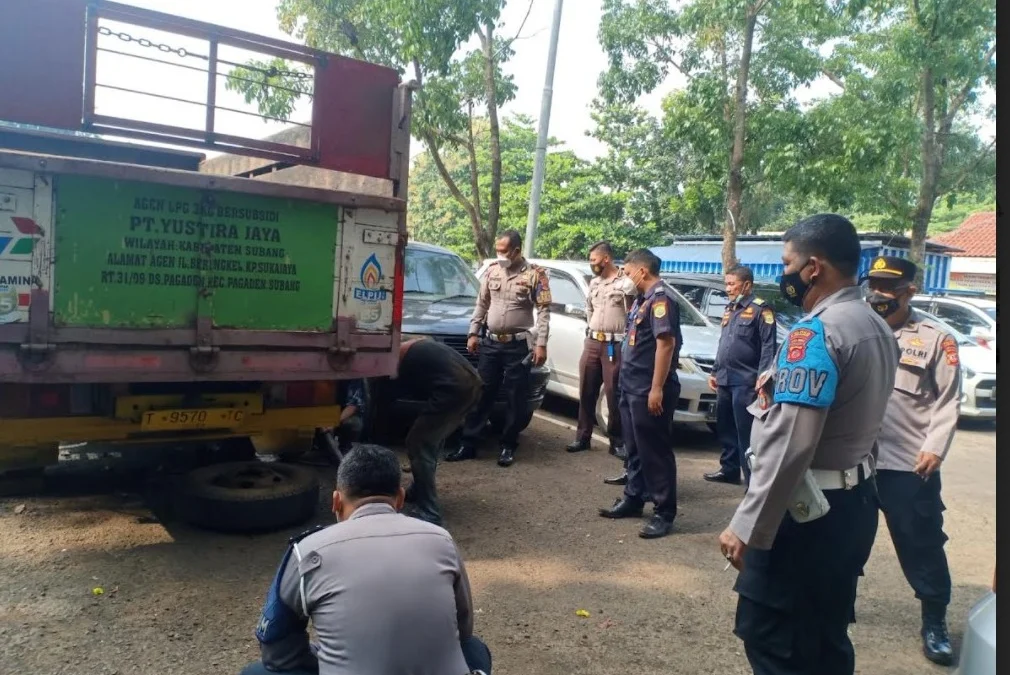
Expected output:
(525, 419)
(248, 496)
(602, 411)
(712, 427)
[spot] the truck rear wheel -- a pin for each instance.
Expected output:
(248, 496)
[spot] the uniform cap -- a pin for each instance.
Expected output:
(892, 267)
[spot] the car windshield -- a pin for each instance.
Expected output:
(961, 338)
(435, 275)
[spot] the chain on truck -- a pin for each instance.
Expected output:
(150, 295)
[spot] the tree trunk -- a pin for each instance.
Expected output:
(482, 242)
(930, 175)
(734, 197)
(491, 93)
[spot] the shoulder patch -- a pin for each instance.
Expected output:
(758, 301)
(768, 316)
(806, 374)
(949, 347)
(659, 310)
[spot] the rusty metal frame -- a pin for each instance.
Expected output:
(215, 36)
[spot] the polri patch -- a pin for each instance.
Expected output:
(949, 347)
(797, 344)
(767, 315)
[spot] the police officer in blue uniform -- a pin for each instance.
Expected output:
(746, 348)
(649, 392)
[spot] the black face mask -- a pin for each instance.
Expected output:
(882, 304)
(793, 288)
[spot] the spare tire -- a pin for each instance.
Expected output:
(248, 496)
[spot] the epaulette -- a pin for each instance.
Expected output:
(312, 530)
(758, 301)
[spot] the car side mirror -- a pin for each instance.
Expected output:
(575, 310)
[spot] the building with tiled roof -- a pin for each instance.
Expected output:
(973, 267)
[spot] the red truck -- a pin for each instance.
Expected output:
(144, 299)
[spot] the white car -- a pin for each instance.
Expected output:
(978, 374)
(569, 281)
(978, 648)
(972, 315)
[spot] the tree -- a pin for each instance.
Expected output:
(738, 56)
(423, 41)
(575, 210)
(899, 135)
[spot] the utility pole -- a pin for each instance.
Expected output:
(545, 119)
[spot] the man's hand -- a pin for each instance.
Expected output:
(732, 548)
(472, 343)
(712, 384)
(539, 356)
(656, 401)
(927, 464)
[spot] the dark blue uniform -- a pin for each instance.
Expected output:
(746, 349)
(652, 468)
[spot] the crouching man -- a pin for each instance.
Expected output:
(387, 594)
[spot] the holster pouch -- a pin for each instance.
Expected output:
(807, 502)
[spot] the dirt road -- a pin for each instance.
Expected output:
(175, 600)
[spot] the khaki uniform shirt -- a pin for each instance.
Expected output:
(386, 594)
(820, 407)
(608, 301)
(923, 409)
(508, 298)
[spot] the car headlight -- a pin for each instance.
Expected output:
(687, 365)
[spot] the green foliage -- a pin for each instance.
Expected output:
(575, 209)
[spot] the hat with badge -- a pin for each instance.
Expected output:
(892, 267)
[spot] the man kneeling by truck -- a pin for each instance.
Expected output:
(386, 593)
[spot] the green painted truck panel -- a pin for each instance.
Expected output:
(144, 255)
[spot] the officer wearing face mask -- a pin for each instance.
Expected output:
(820, 409)
(610, 296)
(649, 393)
(509, 294)
(914, 440)
(746, 349)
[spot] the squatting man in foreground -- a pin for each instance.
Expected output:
(805, 527)
(387, 594)
(914, 440)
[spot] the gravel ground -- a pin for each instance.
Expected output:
(176, 600)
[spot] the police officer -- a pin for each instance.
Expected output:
(746, 348)
(449, 386)
(649, 393)
(509, 294)
(610, 296)
(820, 410)
(917, 432)
(386, 593)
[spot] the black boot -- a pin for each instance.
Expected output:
(577, 446)
(617, 480)
(463, 452)
(625, 507)
(935, 639)
(618, 450)
(507, 455)
(658, 526)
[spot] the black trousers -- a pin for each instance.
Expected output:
(796, 599)
(648, 439)
(442, 415)
(733, 423)
(501, 368)
(914, 513)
